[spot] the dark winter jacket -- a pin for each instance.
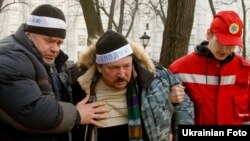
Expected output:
(154, 89)
(29, 109)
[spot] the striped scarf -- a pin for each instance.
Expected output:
(134, 120)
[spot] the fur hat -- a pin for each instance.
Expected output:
(47, 20)
(111, 47)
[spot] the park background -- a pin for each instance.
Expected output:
(175, 27)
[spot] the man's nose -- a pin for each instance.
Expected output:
(225, 49)
(121, 73)
(55, 47)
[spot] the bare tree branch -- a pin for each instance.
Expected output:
(8, 4)
(134, 10)
(162, 9)
(1, 3)
(229, 3)
(212, 7)
(108, 15)
(159, 9)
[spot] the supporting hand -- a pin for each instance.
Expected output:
(91, 112)
(177, 93)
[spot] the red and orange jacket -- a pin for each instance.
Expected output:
(219, 89)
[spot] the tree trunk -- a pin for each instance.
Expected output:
(244, 28)
(178, 27)
(92, 19)
(111, 15)
(120, 24)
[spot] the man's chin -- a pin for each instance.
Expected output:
(121, 86)
(48, 62)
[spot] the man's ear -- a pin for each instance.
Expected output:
(99, 68)
(209, 34)
(30, 35)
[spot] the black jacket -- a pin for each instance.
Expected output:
(29, 110)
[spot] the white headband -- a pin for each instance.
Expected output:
(114, 55)
(42, 21)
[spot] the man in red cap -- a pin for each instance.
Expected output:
(217, 79)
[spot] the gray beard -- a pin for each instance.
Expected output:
(49, 62)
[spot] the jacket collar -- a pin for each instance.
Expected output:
(202, 49)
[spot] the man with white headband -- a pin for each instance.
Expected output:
(123, 75)
(34, 100)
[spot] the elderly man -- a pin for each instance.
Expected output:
(123, 75)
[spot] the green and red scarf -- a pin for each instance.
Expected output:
(134, 119)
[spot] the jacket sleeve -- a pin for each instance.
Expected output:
(23, 105)
(247, 120)
(183, 115)
(183, 112)
(64, 126)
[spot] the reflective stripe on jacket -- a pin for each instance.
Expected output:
(220, 91)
